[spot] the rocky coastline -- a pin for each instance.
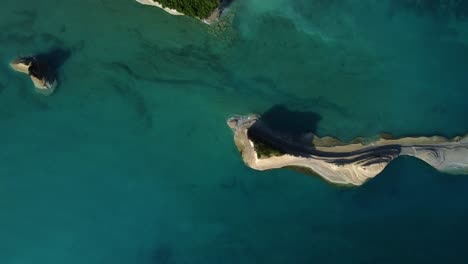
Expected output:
(340, 163)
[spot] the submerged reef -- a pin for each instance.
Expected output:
(39, 71)
(351, 164)
(441, 8)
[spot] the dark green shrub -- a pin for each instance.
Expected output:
(194, 8)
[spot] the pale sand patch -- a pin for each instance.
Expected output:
(20, 66)
(43, 86)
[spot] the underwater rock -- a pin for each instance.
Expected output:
(340, 163)
(39, 71)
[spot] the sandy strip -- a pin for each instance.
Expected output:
(157, 4)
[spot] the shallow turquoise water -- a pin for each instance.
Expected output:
(131, 161)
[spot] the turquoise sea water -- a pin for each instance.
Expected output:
(130, 161)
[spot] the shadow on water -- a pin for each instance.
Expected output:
(291, 123)
(55, 58)
(409, 197)
(436, 8)
(406, 183)
(162, 254)
(226, 3)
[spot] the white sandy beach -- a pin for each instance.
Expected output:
(157, 4)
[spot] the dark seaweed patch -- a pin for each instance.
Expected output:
(137, 102)
(163, 254)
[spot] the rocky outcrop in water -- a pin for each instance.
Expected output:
(39, 71)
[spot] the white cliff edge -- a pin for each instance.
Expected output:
(157, 4)
(213, 17)
(351, 164)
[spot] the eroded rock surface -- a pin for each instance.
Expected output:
(339, 163)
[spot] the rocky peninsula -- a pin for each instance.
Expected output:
(39, 71)
(339, 163)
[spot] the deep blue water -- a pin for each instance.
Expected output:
(130, 161)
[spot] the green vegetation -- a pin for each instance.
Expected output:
(265, 151)
(194, 8)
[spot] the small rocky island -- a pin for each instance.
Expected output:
(39, 71)
(205, 10)
(339, 163)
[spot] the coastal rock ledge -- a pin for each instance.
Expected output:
(339, 163)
